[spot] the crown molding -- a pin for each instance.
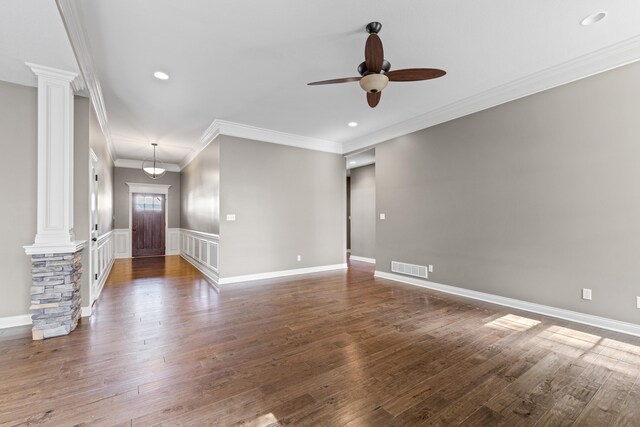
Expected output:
(137, 164)
(596, 62)
(72, 18)
(238, 130)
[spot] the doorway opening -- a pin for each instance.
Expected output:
(361, 206)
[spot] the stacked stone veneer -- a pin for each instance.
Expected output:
(55, 294)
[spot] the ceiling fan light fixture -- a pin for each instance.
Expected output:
(374, 83)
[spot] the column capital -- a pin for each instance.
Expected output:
(53, 73)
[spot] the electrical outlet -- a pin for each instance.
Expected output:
(231, 217)
(586, 294)
(637, 302)
(299, 257)
(430, 268)
(383, 216)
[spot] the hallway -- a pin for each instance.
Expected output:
(330, 348)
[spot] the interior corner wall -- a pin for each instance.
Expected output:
(200, 191)
(81, 191)
(533, 200)
(18, 192)
(363, 211)
(287, 202)
(105, 168)
(121, 194)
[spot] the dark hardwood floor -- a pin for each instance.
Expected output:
(335, 348)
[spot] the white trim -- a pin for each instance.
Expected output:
(103, 262)
(71, 14)
(239, 130)
(12, 321)
(122, 246)
(363, 259)
(172, 243)
(137, 164)
(71, 248)
(560, 313)
(202, 250)
(282, 273)
(55, 157)
(86, 311)
(213, 278)
(602, 60)
(148, 188)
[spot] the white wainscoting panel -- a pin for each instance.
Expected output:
(172, 244)
(103, 257)
(122, 237)
(201, 250)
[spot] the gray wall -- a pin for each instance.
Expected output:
(533, 200)
(18, 186)
(81, 192)
(121, 194)
(100, 147)
(200, 192)
(363, 211)
(287, 201)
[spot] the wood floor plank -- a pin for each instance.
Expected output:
(326, 349)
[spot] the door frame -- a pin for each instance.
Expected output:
(93, 232)
(135, 187)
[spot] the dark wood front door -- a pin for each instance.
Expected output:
(147, 224)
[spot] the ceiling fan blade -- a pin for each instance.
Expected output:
(373, 98)
(414, 74)
(373, 53)
(328, 82)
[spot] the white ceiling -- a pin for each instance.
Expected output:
(249, 63)
(32, 31)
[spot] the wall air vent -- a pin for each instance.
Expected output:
(410, 269)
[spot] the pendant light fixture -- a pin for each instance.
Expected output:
(155, 168)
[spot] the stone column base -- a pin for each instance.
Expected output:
(55, 294)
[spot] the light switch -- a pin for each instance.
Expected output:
(231, 217)
(382, 216)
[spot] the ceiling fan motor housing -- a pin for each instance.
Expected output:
(374, 83)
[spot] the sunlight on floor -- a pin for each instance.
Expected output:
(513, 322)
(269, 420)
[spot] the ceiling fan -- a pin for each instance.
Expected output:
(374, 71)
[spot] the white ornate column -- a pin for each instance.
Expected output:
(55, 254)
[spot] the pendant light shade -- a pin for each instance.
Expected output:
(155, 168)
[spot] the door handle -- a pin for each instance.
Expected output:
(95, 239)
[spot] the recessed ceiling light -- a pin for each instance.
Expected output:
(594, 19)
(352, 162)
(161, 75)
(352, 124)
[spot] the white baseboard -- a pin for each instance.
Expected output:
(86, 311)
(362, 259)
(282, 273)
(560, 313)
(11, 321)
(206, 271)
(104, 278)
